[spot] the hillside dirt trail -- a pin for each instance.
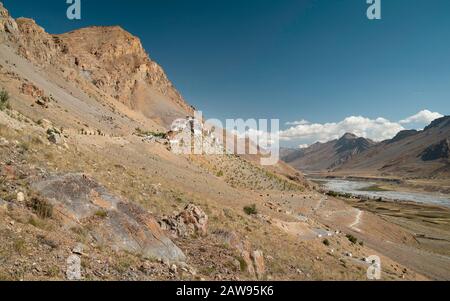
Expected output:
(357, 221)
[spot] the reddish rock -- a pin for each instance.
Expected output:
(192, 221)
(31, 90)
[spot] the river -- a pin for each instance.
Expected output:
(362, 188)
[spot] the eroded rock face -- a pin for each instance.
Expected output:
(7, 24)
(104, 61)
(122, 225)
(191, 221)
(246, 257)
(31, 90)
(258, 262)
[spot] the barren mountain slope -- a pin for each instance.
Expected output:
(108, 63)
(414, 154)
(326, 156)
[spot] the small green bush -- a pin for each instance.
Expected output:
(101, 214)
(352, 239)
(326, 242)
(4, 100)
(251, 210)
(332, 194)
(139, 132)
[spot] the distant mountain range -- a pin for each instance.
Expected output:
(326, 156)
(410, 153)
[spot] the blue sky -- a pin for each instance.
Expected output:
(318, 60)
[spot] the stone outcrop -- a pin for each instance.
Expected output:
(7, 24)
(31, 90)
(54, 136)
(258, 262)
(252, 261)
(191, 221)
(114, 222)
(106, 54)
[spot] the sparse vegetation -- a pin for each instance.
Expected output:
(141, 133)
(326, 242)
(37, 223)
(352, 239)
(53, 271)
(24, 147)
(41, 207)
(335, 194)
(251, 210)
(4, 100)
(242, 264)
(123, 263)
(19, 246)
(101, 214)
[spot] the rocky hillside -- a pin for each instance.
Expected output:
(108, 63)
(327, 156)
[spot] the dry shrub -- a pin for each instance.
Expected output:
(41, 207)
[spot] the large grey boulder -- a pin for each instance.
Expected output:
(119, 224)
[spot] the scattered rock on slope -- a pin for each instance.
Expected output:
(79, 200)
(252, 261)
(191, 221)
(54, 136)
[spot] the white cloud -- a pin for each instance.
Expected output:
(301, 122)
(424, 117)
(304, 133)
(375, 129)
